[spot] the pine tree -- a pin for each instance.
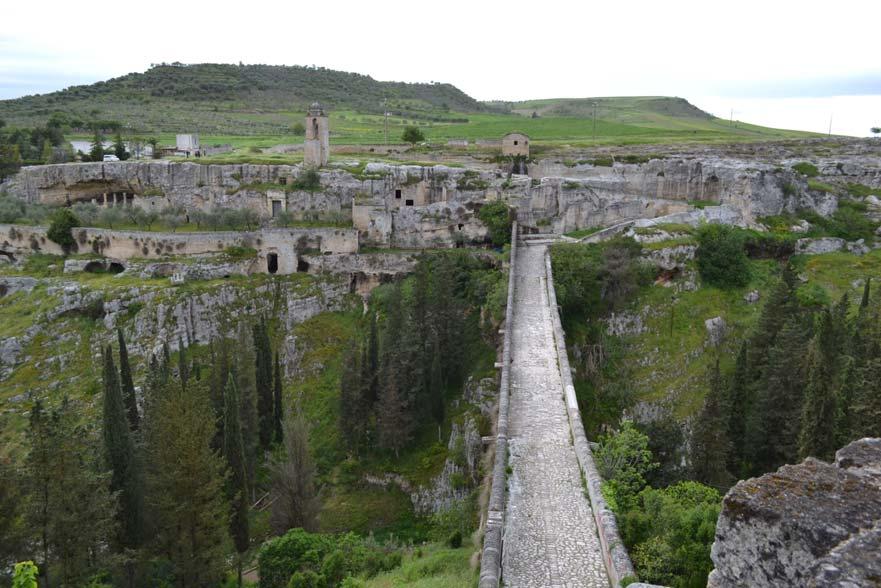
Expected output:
(436, 387)
(70, 506)
(128, 384)
(278, 409)
(185, 486)
(237, 487)
(96, 153)
(738, 405)
(818, 418)
(772, 429)
(709, 440)
(294, 501)
(263, 382)
(121, 458)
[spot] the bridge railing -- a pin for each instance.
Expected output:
(491, 557)
(618, 564)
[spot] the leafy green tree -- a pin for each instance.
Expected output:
(498, 220)
(48, 155)
(127, 383)
(25, 575)
(721, 257)
(237, 483)
(412, 134)
(185, 485)
(669, 533)
(623, 459)
(153, 142)
(61, 229)
(10, 160)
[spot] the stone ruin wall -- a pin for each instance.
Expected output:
(431, 206)
(286, 244)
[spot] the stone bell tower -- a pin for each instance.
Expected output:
(317, 146)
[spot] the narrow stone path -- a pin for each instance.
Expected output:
(550, 537)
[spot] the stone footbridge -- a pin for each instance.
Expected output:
(547, 524)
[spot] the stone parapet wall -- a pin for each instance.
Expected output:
(491, 556)
(617, 560)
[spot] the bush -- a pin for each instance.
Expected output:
(806, 169)
(307, 579)
(669, 533)
(455, 540)
(309, 180)
(498, 219)
(721, 256)
(11, 209)
(61, 229)
(412, 135)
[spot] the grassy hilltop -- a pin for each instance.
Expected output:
(258, 105)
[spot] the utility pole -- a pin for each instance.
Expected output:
(830, 125)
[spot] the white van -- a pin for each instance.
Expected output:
(110, 157)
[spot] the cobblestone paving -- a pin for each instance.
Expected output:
(550, 537)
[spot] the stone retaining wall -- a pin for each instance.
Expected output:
(615, 555)
(490, 562)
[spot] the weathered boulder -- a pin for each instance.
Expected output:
(810, 246)
(12, 284)
(811, 524)
(671, 258)
(752, 297)
(716, 330)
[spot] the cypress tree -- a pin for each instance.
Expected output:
(234, 452)
(351, 390)
(263, 382)
(120, 451)
(128, 384)
(220, 372)
(864, 303)
(294, 501)
(183, 371)
(244, 375)
(371, 366)
(278, 410)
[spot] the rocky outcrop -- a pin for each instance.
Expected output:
(813, 524)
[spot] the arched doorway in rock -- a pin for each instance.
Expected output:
(272, 262)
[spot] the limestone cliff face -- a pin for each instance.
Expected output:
(423, 206)
(813, 524)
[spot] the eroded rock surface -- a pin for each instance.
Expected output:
(812, 524)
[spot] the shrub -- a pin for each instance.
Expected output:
(412, 135)
(455, 540)
(821, 187)
(498, 220)
(61, 229)
(307, 579)
(721, 257)
(11, 209)
(806, 169)
(309, 180)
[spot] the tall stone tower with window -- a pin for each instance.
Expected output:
(317, 146)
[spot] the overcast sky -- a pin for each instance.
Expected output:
(755, 57)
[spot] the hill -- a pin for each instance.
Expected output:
(259, 105)
(232, 99)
